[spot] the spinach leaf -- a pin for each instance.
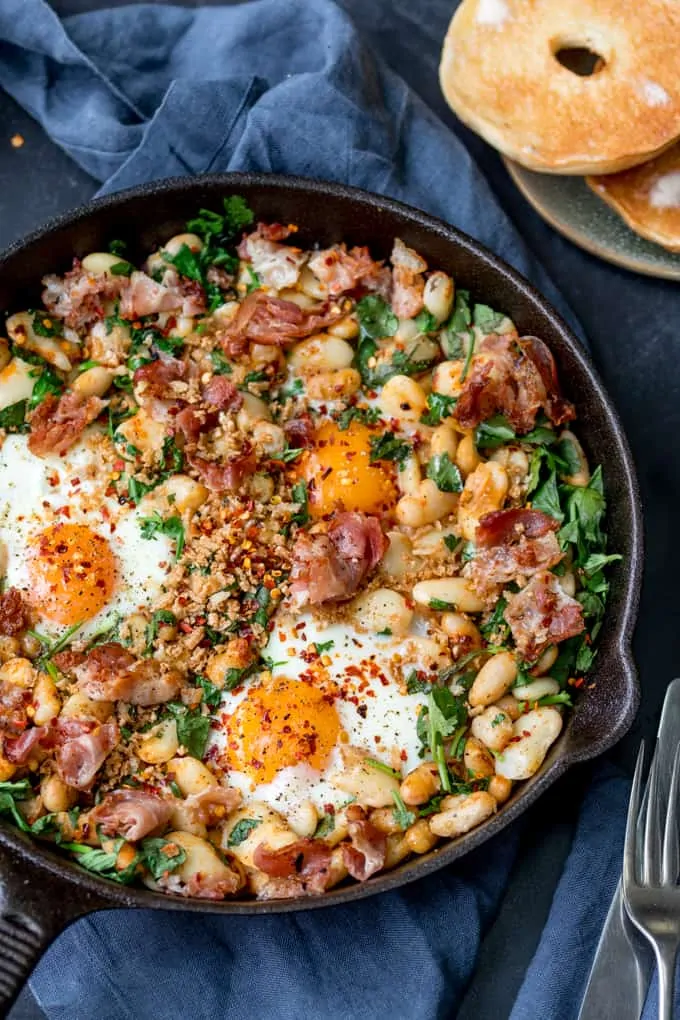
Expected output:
(439, 406)
(547, 498)
(122, 268)
(444, 473)
(486, 319)
(299, 496)
(220, 364)
(212, 695)
(160, 617)
(494, 432)
(361, 415)
(457, 329)
(416, 685)
(160, 856)
(193, 729)
(389, 447)
(13, 418)
(443, 718)
(242, 830)
(10, 793)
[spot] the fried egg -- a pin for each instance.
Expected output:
(280, 740)
(76, 554)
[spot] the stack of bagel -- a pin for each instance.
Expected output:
(586, 87)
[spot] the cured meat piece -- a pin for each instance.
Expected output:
(57, 423)
(13, 612)
(511, 546)
(111, 673)
(408, 283)
(131, 813)
(272, 321)
(542, 614)
(331, 567)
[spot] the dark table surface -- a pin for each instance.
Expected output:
(629, 321)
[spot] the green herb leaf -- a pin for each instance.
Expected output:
(494, 432)
(299, 495)
(220, 364)
(547, 498)
(444, 473)
(160, 617)
(160, 856)
(381, 767)
(44, 325)
(46, 382)
(416, 685)
(172, 527)
(10, 793)
(402, 816)
(212, 695)
(457, 333)
(323, 646)
(118, 248)
(486, 319)
(242, 830)
(361, 415)
(122, 268)
(440, 605)
(452, 543)
(425, 322)
(255, 280)
(193, 729)
(169, 344)
(13, 418)
(325, 826)
(389, 447)
(439, 406)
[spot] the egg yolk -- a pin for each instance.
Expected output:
(340, 476)
(72, 572)
(283, 723)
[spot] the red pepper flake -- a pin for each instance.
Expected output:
(185, 627)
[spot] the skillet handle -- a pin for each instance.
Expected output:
(35, 907)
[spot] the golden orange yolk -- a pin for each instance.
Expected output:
(340, 476)
(72, 572)
(283, 723)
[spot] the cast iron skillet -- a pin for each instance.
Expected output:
(41, 892)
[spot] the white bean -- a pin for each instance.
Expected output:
(311, 286)
(438, 295)
(178, 494)
(409, 477)
(202, 860)
(454, 591)
(536, 731)
(444, 440)
(192, 242)
(269, 437)
(477, 759)
(446, 378)
(16, 382)
(346, 328)
(403, 398)
(495, 677)
(540, 688)
(382, 609)
(20, 329)
(98, 263)
(45, 700)
(546, 661)
(338, 384)
(191, 775)
(399, 559)
(79, 706)
(143, 432)
(493, 727)
(467, 458)
(94, 382)
(463, 633)
(253, 409)
(568, 584)
(160, 743)
(426, 506)
(56, 795)
(272, 829)
(462, 813)
(485, 491)
(322, 352)
(432, 542)
(370, 786)
(304, 819)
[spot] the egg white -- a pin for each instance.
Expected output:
(35, 493)
(382, 722)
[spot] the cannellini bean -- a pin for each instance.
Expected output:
(266, 354)
(143, 432)
(494, 679)
(382, 609)
(580, 477)
(477, 759)
(444, 440)
(298, 298)
(321, 352)
(510, 705)
(236, 655)
(79, 706)
(568, 584)
(536, 731)
(311, 285)
(420, 784)
(500, 788)
(5, 353)
(426, 652)
(461, 813)
(370, 786)
(272, 829)
(109, 345)
(201, 858)
(399, 560)
(304, 819)
(384, 820)
(446, 378)
(98, 263)
(438, 296)
(46, 700)
(9, 648)
(56, 795)
(16, 382)
(160, 743)
(540, 688)
(21, 331)
(464, 634)
(30, 646)
(407, 330)
(192, 242)
(346, 328)
(493, 727)
(409, 477)
(176, 495)
(184, 817)
(226, 312)
(426, 506)
(336, 385)
(262, 487)
(253, 409)
(431, 542)
(485, 490)
(546, 661)
(396, 851)
(18, 672)
(467, 459)
(269, 437)
(402, 397)
(419, 838)
(191, 775)
(94, 382)
(454, 591)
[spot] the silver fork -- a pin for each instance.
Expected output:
(651, 863)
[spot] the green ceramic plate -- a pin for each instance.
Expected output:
(568, 204)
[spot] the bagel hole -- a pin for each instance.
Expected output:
(579, 60)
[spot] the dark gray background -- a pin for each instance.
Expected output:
(633, 325)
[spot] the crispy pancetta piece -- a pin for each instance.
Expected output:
(13, 612)
(542, 614)
(408, 282)
(262, 319)
(133, 814)
(57, 423)
(340, 270)
(331, 567)
(111, 673)
(511, 546)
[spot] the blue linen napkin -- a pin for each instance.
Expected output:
(144, 92)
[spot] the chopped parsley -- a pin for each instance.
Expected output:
(299, 496)
(122, 268)
(439, 406)
(43, 325)
(416, 685)
(361, 415)
(323, 646)
(220, 364)
(172, 527)
(487, 320)
(402, 816)
(389, 447)
(441, 722)
(162, 617)
(457, 338)
(212, 695)
(255, 280)
(325, 826)
(381, 767)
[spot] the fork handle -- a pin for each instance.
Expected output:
(666, 954)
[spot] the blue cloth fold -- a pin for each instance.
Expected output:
(144, 92)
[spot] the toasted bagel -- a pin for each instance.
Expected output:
(647, 197)
(501, 74)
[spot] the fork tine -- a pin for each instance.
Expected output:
(651, 852)
(671, 863)
(629, 849)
